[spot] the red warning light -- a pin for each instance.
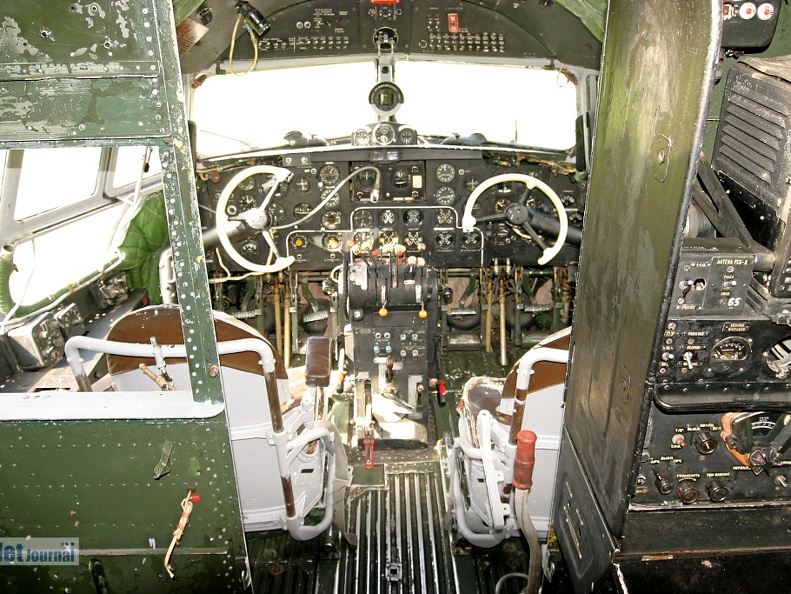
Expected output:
(453, 22)
(385, 1)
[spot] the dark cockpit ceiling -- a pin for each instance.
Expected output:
(567, 31)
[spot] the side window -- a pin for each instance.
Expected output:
(129, 165)
(53, 178)
(68, 214)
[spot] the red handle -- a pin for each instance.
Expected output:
(368, 446)
(525, 459)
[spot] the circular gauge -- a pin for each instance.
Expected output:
(471, 182)
(387, 218)
(500, 205)
(413, 239)
(575, 218)
(329, 175)
(276, 212)
(540, 202)
(444, 240)
(247, 184)
(250, 249)
(763, 423)
(445, 172)
(331, 219)
(363, 219)
(729, 349)
(413, 217)
(567, 199)
(302, 184)
(247, 202)
(445, 195)
(365, 180)
(384, 133)
(445, 217)
(268, 182)
(361, 237)
(298, 242)
(388, 237)
(231, 209)
(334, 201)
(385, 36)
(302, 209)
(331, 242)
(764, 426)
(471, 239)
(400, 178)
(361, 137)
(407, 135)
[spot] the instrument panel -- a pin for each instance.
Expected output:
(364, 200)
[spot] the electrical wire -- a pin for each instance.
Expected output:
(335, 274)
(498, 588)
(222, 265)
(229, 276)
(186, 510)
(233, 46)
(332, 194)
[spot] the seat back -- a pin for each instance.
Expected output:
(543, 414)
(247, 408)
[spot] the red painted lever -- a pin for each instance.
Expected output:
(525, 459)
(368, 448)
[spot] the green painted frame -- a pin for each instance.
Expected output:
(106, 73)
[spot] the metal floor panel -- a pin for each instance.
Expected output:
(403, 547)
(396, 510)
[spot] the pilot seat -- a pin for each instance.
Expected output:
(276, 427)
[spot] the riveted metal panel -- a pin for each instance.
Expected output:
(658, 70)
(95, 481)
(105, 73)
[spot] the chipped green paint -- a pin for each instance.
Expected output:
(105, 73)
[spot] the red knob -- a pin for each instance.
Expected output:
(525, 459)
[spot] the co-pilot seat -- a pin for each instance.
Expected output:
(292, 441)
(489, 417)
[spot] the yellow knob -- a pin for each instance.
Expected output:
(422, 314)
(383, 312)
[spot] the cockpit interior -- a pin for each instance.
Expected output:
(392, 296)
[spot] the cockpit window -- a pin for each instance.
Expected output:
(130, 167)
(236, 113)
(507, 104)
(526, 106)
(52, 178)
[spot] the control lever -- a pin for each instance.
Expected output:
(759, 453)
(686, 285)
(781, 364)
(369, 444)
(764, 459)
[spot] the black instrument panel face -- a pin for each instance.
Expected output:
(400, 200)
(321, 27)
